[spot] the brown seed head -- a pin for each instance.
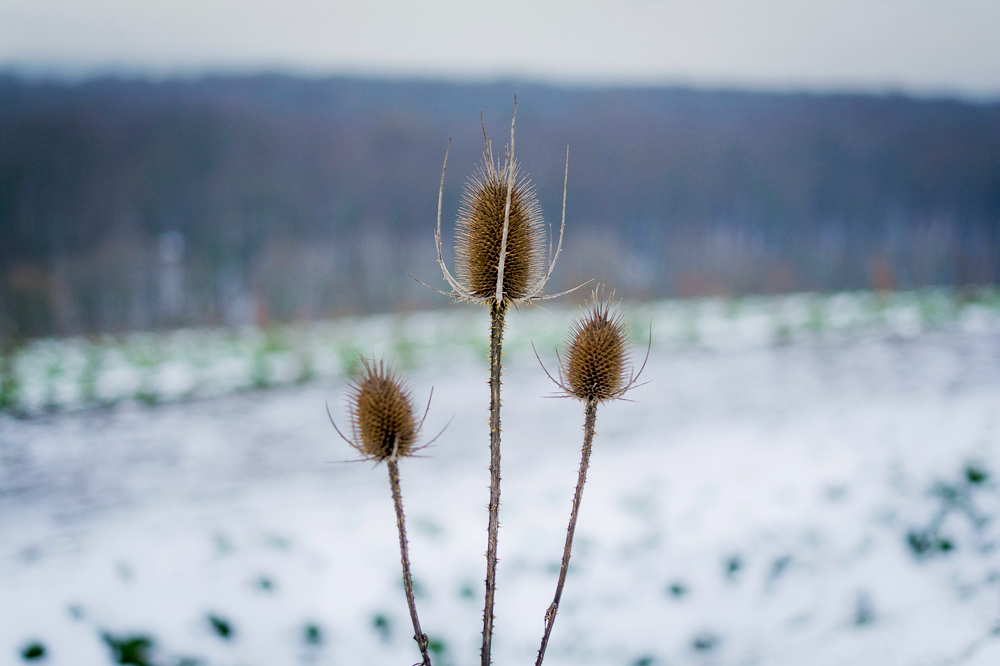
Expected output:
(595, 367)
(480, 234)
(381, 414)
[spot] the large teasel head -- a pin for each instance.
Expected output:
(500, 244)
(382, 419)
(596, 366)
(495, 197)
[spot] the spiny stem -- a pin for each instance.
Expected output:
(497, 312)
(397, 497)
(588, 440)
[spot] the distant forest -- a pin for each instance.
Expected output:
(128, 204)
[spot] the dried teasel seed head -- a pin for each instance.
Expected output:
(480, 234)
(595, 367)
(381, 414)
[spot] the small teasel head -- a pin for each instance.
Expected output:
(480, 234)
(382, 418)
(596, 366)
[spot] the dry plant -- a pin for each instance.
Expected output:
(384, 429)
(500, 251)
(596, 368)
(500, 257)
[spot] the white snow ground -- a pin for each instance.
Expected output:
(819, 501)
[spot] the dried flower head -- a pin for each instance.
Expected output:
(382, 419)
(480, 234)
(500, 244)
(597, 364)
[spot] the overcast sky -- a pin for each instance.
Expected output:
(917, 46)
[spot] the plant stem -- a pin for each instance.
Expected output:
(497, 312)
(397, 497)
(588, 440)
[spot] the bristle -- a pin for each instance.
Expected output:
(595, 367)
(480, 235)
(381, 414)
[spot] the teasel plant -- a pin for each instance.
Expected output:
(500, 253)
(595, 368)
(384, 429)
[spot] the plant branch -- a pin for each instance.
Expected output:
(497, 311)
(588, 440)
(397, 497)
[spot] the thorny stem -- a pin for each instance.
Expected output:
(497, 312)
(397, 497)
(588, 440)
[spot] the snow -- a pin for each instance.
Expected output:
(800, 482)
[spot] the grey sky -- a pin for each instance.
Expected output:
(920, 46)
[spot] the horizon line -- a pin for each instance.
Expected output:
(66, 74)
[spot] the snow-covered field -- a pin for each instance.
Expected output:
(804, 480)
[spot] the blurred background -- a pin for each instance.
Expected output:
(232, 164)
(208, 210)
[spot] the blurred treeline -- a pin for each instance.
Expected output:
(131, 204)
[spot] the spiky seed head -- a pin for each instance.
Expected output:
(381, 413)
(480, 234)
(595, 367)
